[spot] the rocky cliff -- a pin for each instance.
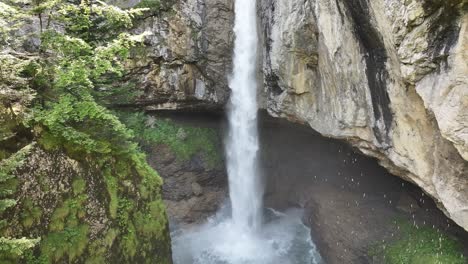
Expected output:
(187, 57)
(387, 76)
(83, 211)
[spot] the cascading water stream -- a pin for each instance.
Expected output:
(242, 142)
(242, 236)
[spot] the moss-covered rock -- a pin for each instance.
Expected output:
(87, 210)
(416, 245)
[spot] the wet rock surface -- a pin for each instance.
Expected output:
(192, 190)
(351, 203)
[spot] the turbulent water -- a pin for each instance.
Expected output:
(239, 234)
(282, 239)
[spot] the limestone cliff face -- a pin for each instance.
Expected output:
(187, 57)
(388, 76)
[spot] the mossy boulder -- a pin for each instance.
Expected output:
(87, 210)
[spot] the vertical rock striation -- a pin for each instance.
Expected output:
(387, 76)
(187, 57)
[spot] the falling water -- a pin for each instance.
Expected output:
(241, 236)
(242, 142)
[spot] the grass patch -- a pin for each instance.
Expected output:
(420, 245)
(184, 141)
(153, 5)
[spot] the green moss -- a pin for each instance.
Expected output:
(111, 186)
(153, 5)
(125, 207)
(421, 245)
(184, 141)
(68, 214)
(78, 186)
(149, 222)
(98, 248)
(122, 168)
(151, 183)
(31, 214)
(70, 242)
(57, 222)
(129, 243)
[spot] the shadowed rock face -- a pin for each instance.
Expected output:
(387, 76)
(349, 201)
(192, 191)
(375, 55)
(384, 71)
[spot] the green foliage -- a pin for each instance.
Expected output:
(7, 166)
(185, 141)
(98, 248)
(78, 186)
(8, 181)
(82, 126)
(149, 222)
(31, 213)
(13, 249)
(70, 242)
(111, 184)
(68, 73)
(6, 203)
(129, 242)
(153, 5)
(69, 213)
(10, 248)
(422, 245)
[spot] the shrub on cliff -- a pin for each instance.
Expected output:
(49, 89)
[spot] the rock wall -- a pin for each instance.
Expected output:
(81, 211)
(350, 202)
(387, 76)
(187, 57)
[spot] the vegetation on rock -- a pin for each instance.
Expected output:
(51, 93)
(420, 245)
(185, 141)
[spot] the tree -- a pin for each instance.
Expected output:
(52, 89)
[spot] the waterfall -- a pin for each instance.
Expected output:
(242, 142)
(237, 238)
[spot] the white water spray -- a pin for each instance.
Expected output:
(242, 143)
